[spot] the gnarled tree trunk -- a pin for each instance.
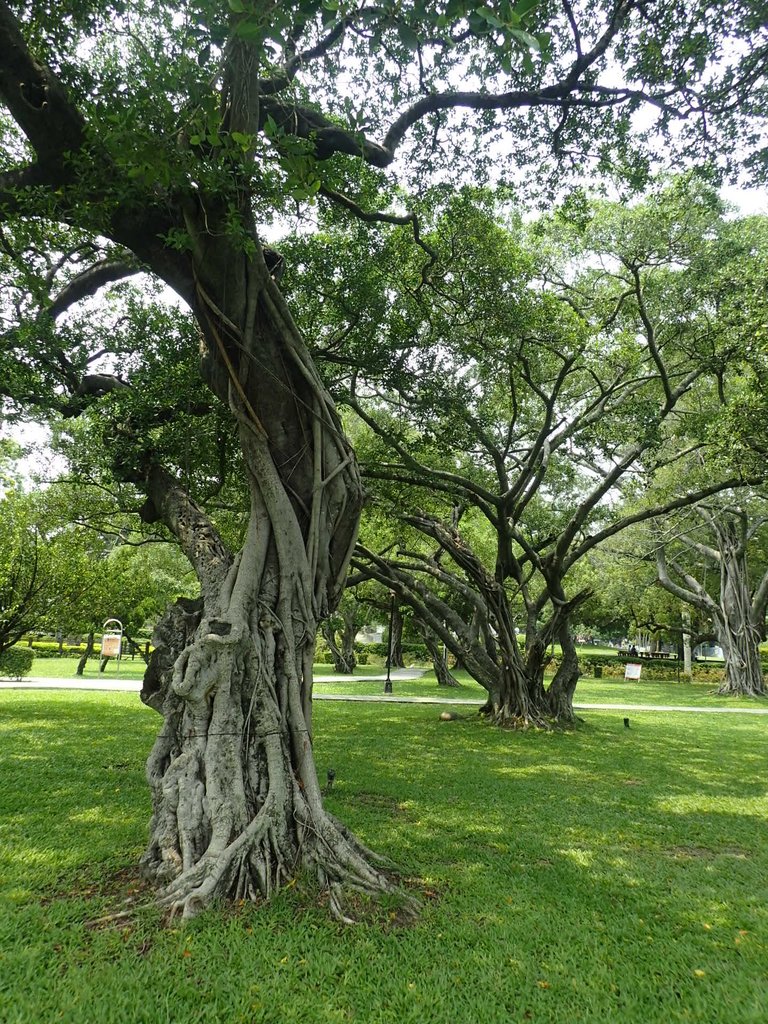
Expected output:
(237, 809)
(736, 628)
(563, 687)
(488, 646)
(738, 614)
(439, 655)
(343, 653)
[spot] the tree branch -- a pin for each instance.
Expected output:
(89, 282)
(37, 101)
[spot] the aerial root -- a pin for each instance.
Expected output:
(260, 860)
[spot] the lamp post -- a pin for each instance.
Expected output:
(388, 683)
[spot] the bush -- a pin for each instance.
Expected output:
(16, 662)
(416, 651)
(50, 649)
(613, 666)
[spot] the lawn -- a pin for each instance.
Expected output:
(601, 875)
(588, 691)
(133, 668)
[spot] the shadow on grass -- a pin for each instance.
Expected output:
(601, 874)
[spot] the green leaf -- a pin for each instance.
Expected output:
(531, 42)
(408, 37)
(271, 129)
(237, 6)
(250, 30)
(489, 16)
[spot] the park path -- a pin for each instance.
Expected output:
(134, 685)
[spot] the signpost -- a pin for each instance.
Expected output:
(632, 671)
(112, 640)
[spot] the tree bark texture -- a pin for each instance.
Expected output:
(438, 653)
(343, 653)
(237, 809)
(687, 646)
(737, 627)
(87, 653)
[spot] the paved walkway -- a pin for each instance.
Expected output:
(129, 684)
(134, 685)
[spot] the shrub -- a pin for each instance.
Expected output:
(50, 649)
(613, 666)
(417, 651)
(16, 662)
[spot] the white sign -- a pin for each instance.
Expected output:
(110, 645)
(632, 671)
(112, 640)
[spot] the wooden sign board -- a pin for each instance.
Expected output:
(632, 671)
(110, 645)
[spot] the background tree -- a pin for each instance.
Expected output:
(728, 536)
(339, 631)
(541, 409)
(23, 570)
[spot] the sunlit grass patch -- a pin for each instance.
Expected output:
(671, 692)
(600, 874)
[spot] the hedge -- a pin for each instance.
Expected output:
(653, 668)
(418, 651)
(50, 649)
(16, 662)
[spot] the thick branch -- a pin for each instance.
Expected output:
(37, 101)
(89, 282)
(654, 512)
(698, 598)
(197, 537)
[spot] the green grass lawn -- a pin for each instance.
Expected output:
(589, 690)
(64, 668)
(606, 875)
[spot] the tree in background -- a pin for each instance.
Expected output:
(23, 570)
(178, 136)
(538, 406)
(715, 560)
(339, 631)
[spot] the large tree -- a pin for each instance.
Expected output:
(717, 565)
(178, 132)
(534, 403)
